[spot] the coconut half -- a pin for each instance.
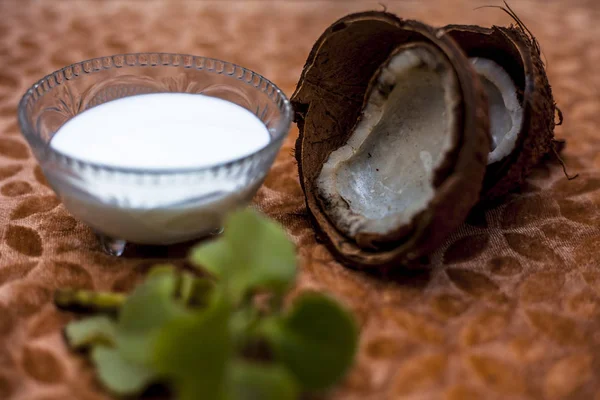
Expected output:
(382, 177)
(393, 138)
(521, 105)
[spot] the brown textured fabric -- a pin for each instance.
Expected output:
(510, 307)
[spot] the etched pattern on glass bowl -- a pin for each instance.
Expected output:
(121, 204)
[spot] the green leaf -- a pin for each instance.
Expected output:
(316, 340)
(215, 257)
(119, 375)
(254, 253)
(186, 286)
(201, 293)
(193, 291)
(151, 304)
(193, 352)
(91, 331)
(147, 309)
(250, 381)
(160, 271)
(241, 323)
(266, 255)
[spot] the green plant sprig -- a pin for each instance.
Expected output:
(209, 338)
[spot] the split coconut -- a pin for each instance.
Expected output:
(522, 108)
(394, 138)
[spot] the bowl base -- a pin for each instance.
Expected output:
(110, 245)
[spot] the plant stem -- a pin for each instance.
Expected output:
(89, 301)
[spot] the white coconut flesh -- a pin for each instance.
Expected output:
(505, 111)
(382, 177)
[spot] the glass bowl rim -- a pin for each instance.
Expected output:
(280, 131)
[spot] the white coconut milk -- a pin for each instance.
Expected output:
(162, 131)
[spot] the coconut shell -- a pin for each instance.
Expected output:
(328, 101)
(520, 56)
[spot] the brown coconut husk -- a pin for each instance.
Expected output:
(517, 51)
(328, 101)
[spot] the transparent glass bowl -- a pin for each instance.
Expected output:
(121, 204)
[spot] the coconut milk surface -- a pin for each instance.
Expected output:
(162, 131)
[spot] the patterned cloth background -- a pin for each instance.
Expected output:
(510, 307)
